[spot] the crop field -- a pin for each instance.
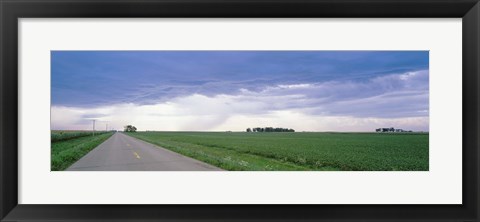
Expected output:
(61, 135)
(73, 146)
(299, 151)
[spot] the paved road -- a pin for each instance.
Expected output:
(125, 153)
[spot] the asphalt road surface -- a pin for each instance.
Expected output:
(121, 152)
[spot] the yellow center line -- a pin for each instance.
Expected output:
(128, 144)
(136, 155)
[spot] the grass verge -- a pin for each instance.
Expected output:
(65, 153)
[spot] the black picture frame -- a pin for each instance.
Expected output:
(12, 10)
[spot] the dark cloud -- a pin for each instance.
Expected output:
(96, 78)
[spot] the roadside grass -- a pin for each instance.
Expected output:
(66, 152)
(223, 158)
(299, 151)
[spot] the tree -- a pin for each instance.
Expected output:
(270, 129)
(130, 128)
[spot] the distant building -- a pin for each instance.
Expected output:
(391, 130)
(386, 130)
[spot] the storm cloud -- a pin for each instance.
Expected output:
(231, 90)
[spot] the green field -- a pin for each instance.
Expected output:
(61, 135)
(66, 151)
(299, 151)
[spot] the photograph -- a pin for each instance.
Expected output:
(239, 110)
(282, 110)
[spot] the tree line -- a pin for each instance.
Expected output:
(130, 128)
(269, 129)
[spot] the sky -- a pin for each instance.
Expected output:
(233, 90)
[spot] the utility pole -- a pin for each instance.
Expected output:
(106, 126)
(93, 127)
